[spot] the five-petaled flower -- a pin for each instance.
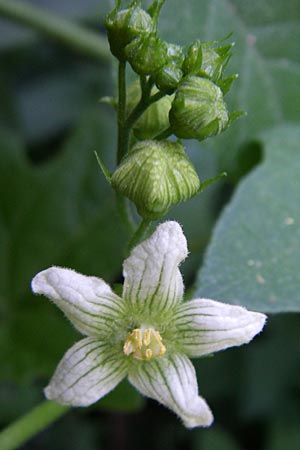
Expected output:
(148, 335)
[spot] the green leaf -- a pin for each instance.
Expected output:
(266, 57)
(57, 213)
(284, 435)
(254, 259)
(215, 438)
(124, 398)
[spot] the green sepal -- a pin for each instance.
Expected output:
(226, 83)
(235, 115)
(214, 60)
(154, 9)
(208, 182)
(193, 59)
(112, 101)
(104, 170)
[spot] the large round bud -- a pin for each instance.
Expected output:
(156, 175)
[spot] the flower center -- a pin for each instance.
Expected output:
(144, 343)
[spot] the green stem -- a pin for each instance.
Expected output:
(29, 425)
(58, 28)
(123, 131)
(125, 213)
(139, 234)
(141, 107)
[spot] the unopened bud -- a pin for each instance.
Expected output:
(156, 175)
(125, 25)
(198, 110)
(146, 54)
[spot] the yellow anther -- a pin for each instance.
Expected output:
(144, 344)
(148, 353)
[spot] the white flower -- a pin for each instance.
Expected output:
(148, 334)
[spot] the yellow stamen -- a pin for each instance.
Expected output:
(144, 344)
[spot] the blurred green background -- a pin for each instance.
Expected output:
(56, 209)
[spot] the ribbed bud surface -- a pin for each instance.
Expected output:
(198, 110)
(156, 175)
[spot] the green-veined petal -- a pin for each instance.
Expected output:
(205, 326)
(87, 372)
(171, 380)
(88, 302)
(152, 278)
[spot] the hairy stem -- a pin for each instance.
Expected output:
(62, 30)
(29, 425)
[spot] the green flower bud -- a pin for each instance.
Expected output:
(214, 61)
(168, 78)
(198, 110)
(125, 25)
(155, 119)
(156, 175)
(175, 54)
(193, 59)
(146, 54)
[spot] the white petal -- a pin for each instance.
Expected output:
(152, 278)
(206, 326)
(87, 372)
(88, 302)
(172, 381)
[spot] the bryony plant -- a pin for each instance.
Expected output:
(148, 334)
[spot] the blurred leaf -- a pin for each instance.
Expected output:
(266, 56)
(50, 104)
(124, 398)
(284, 435)
(214, 438)
(59, 213)
(12, 35)
(254, 259)
(271, 383)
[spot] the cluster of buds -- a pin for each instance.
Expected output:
(189, 86)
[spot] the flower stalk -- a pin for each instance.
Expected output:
(30, 424)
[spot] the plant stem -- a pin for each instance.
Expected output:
(123, 131)
(139, 234)
(141, 107)
(125, 213)
(29, 425)
(58, 28)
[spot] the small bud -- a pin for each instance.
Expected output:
(125, 25)
(214, 61)
(193, 60)
(156, 175)
(175, 54)
(168, 78)
(146, 54)
(155, 119)
(198, 110)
